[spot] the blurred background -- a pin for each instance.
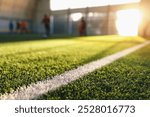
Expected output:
(103, 17)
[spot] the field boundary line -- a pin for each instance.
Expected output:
(34, 90)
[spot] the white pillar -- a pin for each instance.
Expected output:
(51, 25)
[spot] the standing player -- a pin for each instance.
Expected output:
(82, 27)
(11, 26)
(46, 22)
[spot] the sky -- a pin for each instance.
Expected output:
(65, 4)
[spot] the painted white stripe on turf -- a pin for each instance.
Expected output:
(42, 87)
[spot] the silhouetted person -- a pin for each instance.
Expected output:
(11, 26)
(46, 22)
(18, 26)
(82, 27)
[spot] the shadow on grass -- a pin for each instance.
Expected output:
(14, 37)
(5, 38)
(107, 52)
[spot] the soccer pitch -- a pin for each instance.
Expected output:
(26, 62)
(125, 79)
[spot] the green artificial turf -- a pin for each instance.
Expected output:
(26, 62)
(125, 79)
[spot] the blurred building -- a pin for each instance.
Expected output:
(101, 20)
(23, 10)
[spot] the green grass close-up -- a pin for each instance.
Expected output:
(26, 62)
(125, 79)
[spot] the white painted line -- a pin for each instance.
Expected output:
(35, 90)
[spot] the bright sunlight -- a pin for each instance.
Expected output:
(65, 4)
(76, 16)
(128, 21)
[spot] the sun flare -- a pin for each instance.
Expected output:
(128, 21)
(76, 16)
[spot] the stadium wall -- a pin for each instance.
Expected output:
(100, 20)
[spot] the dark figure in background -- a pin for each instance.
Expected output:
(24, 26)
(46, 22)
(11, 26)
(18, 27)
(82, 27)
